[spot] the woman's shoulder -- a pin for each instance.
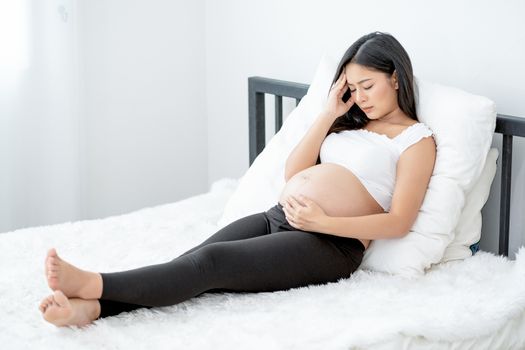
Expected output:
(416, 133)
(421, 126)
(415, 126)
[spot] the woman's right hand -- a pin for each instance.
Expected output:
(335, 106)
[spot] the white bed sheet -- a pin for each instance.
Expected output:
(474, 304)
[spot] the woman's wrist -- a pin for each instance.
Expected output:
(328, 115)
(322, 224)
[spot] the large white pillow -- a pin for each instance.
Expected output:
(463, 125)
(468, 229)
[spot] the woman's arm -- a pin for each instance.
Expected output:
(414, 169)
(305, 154)
(375, 226)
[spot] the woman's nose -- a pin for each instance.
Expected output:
(360, 96)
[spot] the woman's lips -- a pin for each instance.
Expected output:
(367, 110)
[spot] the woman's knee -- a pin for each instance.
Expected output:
(206, 258)
(247, 227)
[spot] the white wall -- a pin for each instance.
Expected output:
(109, 113)
(473, 45)
(40, 183)
(144, 131)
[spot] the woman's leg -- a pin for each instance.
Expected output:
(247, 227)
(88, 285)
(278, 261)
(214, 267)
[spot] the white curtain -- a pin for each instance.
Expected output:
(39, 133)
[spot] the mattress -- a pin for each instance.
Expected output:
(472, 304)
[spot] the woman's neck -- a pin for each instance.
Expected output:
(397, 116)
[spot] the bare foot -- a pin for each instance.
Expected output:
(61, 311)
(72, 281)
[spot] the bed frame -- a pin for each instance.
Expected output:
(506, 125)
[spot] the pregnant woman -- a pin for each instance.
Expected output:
(359, 173)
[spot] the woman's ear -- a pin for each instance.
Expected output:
(394, 80)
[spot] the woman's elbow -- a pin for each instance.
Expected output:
(401, 226)
(402, 232)
(289, 173)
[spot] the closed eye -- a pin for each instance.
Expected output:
(366, 88)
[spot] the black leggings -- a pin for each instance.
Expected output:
(257, 253)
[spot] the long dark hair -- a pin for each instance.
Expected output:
(381, 52)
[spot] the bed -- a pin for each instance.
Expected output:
(475, 303)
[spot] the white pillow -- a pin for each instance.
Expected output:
(463, 125)
(468, 230)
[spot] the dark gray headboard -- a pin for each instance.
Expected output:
(506, 125)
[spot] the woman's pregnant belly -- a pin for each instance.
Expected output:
(335, 189)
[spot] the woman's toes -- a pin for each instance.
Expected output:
(44, 307)
(52, 263)
(60, 298)
(44, 304)
(60, 311)
(52, 258)
(52, 252)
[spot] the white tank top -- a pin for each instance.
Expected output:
(372, 157)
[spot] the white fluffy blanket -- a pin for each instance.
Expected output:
(479, 301)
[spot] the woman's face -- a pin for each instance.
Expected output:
(373, 91)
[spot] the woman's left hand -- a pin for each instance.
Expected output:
(303, 213)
